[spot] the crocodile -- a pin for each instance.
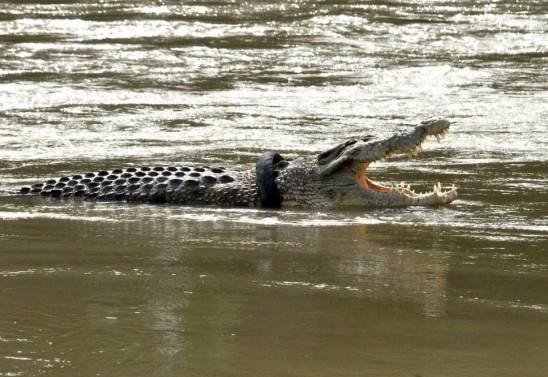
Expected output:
(336, 177)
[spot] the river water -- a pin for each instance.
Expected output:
(116, 289)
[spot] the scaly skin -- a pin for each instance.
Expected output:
(332, 178)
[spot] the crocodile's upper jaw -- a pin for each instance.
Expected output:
(343, 169)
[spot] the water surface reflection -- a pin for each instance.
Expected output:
(185, 291)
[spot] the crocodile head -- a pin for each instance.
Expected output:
(343, 169)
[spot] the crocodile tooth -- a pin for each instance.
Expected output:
(439, 138)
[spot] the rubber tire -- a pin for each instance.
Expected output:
(266, 184)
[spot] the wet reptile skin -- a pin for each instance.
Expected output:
(160, 184)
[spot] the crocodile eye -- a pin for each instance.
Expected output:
(331, 154)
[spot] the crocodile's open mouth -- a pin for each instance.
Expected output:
(355, 155)
(360, 168)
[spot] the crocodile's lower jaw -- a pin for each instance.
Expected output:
(408, 197)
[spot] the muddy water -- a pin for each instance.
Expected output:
(89, 289)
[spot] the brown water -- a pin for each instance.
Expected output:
(116, 289)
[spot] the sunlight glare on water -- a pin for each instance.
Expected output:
(171, 290)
